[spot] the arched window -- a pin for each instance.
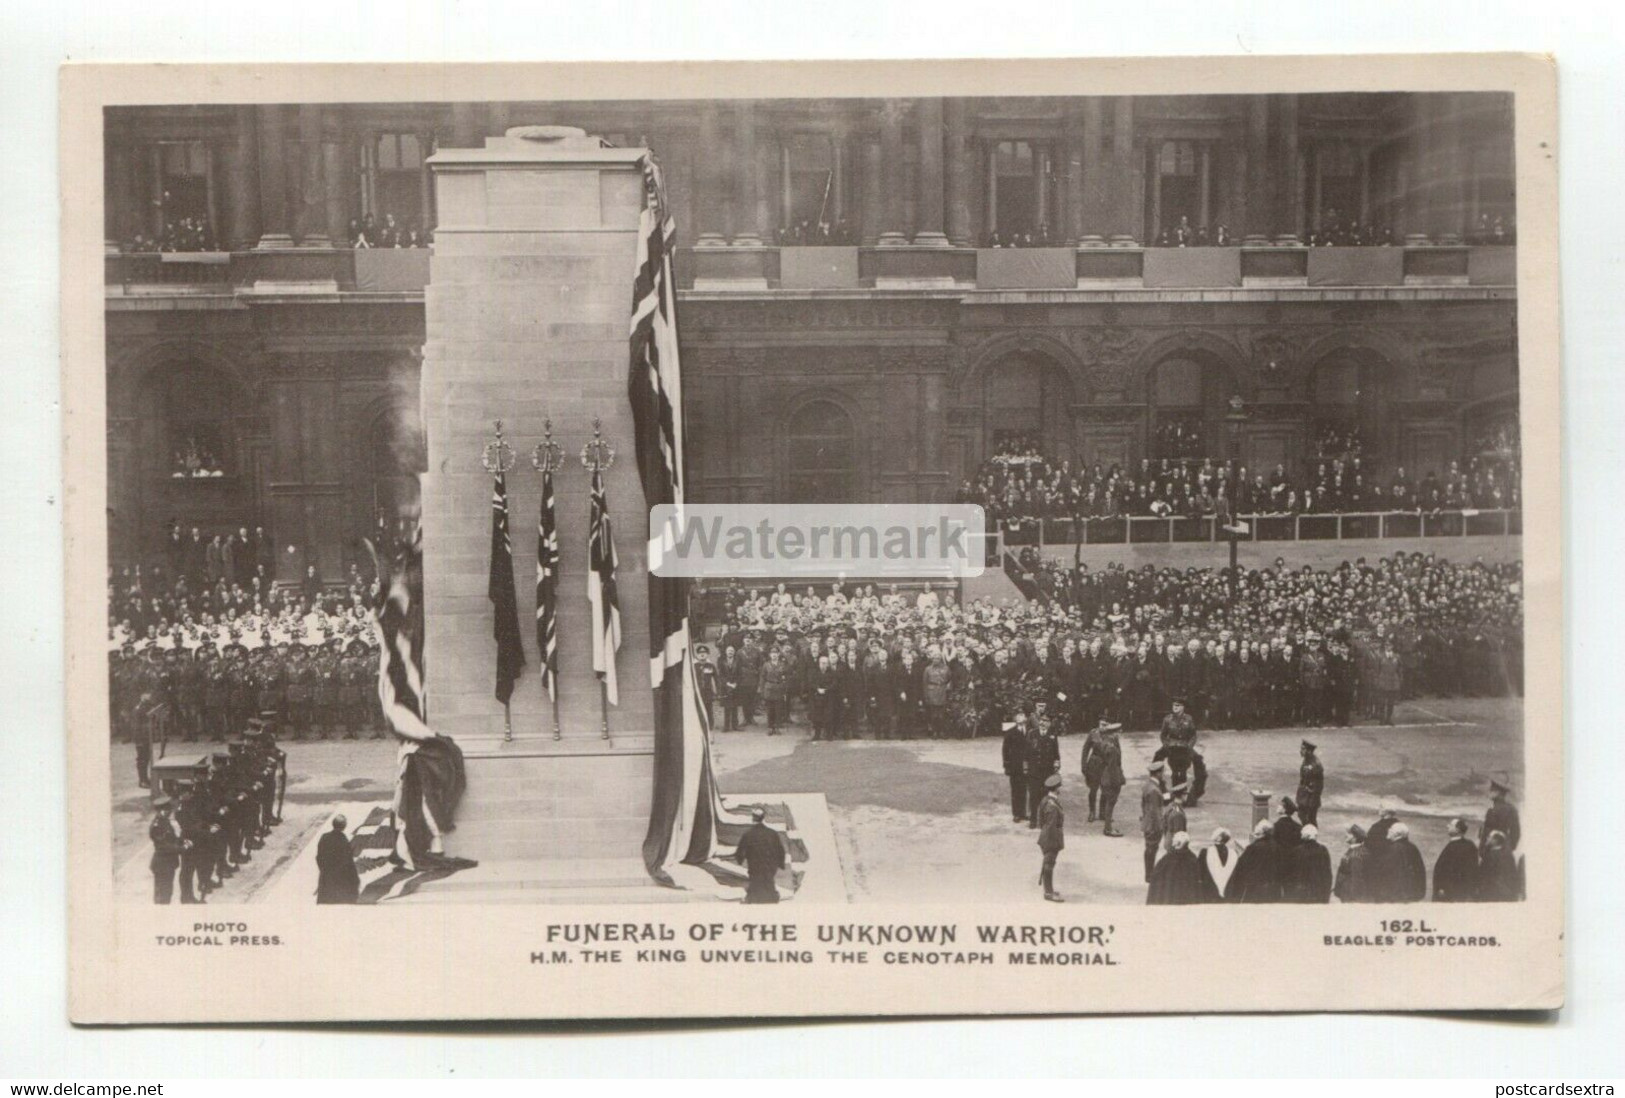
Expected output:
(1188, 397)
(1351, 393)
(197, 405)
(821, 455)
(1027, 399)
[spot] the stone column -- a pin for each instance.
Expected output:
(1256, 211)
(892, 165)
(710, 208)
(928, 222)
(1092, 177)
(1124, 215)
(119, 191)
(312, 207)
(871, 213)
(786, 197)
(242, 182)
(465, 130)
(336, 177)
(1041, 208)
(275, 229)
(960, 163)
(992, 191)
(1072, 142)
(1154, 231)
(837, 165)
(1365, 188)
(747, 177)
(1291, 170)
(1204, 186)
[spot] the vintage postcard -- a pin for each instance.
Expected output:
(1069, 536)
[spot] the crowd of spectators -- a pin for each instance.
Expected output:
(368, 232)
(193, 460)
(1017, 487)
(1300, 646)
(189, 234)
(810, 233)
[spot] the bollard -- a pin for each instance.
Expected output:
(1261, 806)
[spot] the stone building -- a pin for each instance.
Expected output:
(848, 331)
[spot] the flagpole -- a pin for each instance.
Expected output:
(598, 456)
(545, 458)
(507, 722)
(603, 708)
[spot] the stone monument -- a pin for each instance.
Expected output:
(527, 312)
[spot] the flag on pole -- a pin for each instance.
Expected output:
(547, 588)
(688, 825)
(504, 599)
(606, 605)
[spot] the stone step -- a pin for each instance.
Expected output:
(536, 838)
(550, 805)
(614, 880)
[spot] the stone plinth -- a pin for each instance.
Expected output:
(527, 308)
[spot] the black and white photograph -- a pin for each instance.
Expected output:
(1233, 379)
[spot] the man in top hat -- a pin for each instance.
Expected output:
(1051, 835)
(761, 851)
(1311, 783)
(167, 848)
(337, 880)
(1501, 816)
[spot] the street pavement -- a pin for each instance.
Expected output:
(929, 821)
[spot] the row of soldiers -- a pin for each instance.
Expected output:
(198, 694)
(218, 820)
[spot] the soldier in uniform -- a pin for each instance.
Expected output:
(821, 699)
(1151, 802)
(1178, 749)
(167, 847)
(706, 673)
(1502, 817)
(1051, 835)
(1311, 783)
(301, 680)
(193, 849)
(216, 693)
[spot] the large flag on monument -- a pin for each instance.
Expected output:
(547, 587)
(429, 781)
(687, 820)
(504, 599)
(606, 604)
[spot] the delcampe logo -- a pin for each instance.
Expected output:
(817, 540)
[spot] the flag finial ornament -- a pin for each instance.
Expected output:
(598, 455)
(498, 456)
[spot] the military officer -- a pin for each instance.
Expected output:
(1051, 835)
(1311, 783)
(1185, 763)
(1501, 816)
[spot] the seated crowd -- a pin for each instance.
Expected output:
(1305, 646)
(1018, 485)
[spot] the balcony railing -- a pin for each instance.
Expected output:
(406, 270)
(855, 268)
(1151, 530)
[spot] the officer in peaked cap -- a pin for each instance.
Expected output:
(1501, 816)
(1311, 783)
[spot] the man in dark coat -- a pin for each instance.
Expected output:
(1257, 879)
(167, 847)
(1177, 878)
(1051, 835)
(1455, 874)
(1152, 798)
(1500, 876)
(1310, 870)
(1043, 759)
(1502, 817)
(1311, 783)
(761, 852)
(1110, 752)
(1015, 767)
(1401, 876)
(338, 882)
(1353, 872)
(1093, 763)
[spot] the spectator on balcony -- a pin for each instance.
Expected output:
(358, 234)
(1222, 237)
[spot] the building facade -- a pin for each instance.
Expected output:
(855, 325)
